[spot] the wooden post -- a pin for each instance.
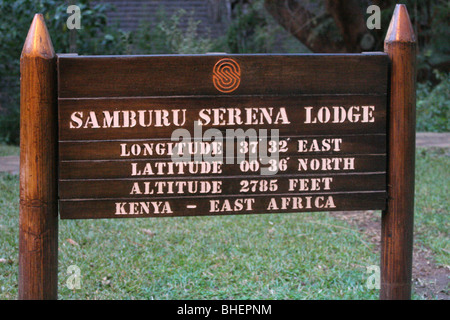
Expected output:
(397, 220)
(38, 222)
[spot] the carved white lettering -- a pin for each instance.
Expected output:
(338, 114)
(170, 148)
(127, 119)
(297, 203)
(176, 187)
(226, 205)
(319, 145)
(249, 116)
(326, 164)
(146, 207)
(310, 184)
(171, 168)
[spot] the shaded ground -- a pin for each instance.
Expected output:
(9, 164)
(431, 139)
(429, 280)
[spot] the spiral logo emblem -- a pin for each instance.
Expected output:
(226, 75)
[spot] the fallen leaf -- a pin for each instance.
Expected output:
(208, 273)
(72, 242)
(148, 232)
(106, 280)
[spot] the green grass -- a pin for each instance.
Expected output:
(9, 242)
(9, 150)
(432, 205)
(284, 256)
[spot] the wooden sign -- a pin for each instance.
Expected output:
(118, 151)
(158, 136)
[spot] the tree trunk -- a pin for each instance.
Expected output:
(301, 23)
(349, 18)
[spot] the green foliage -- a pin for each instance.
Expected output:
(251, 30)
(433, 105)
(432, 25)
(95, 37)
(432, 29)
(10, 118)
(168, 37)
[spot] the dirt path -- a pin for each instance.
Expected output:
(9, 164)
(429, 280)
(433, 140)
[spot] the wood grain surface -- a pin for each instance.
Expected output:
(309, 99)
(38, 221)
(398, 219)
(261, 74)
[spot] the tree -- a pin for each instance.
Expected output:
(327, 26)
(324, 26)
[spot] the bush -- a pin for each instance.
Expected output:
(433, 105)
(251, 30)
(94, 38)
(167, 37)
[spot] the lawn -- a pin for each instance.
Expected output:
(432, 205)
(8, 150)
(273, 256)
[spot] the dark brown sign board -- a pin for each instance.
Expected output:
(100, 137)
(117, 115)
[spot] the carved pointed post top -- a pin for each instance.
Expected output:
(397, 219)
(400, 28)
(38, 42)
(38, 222)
